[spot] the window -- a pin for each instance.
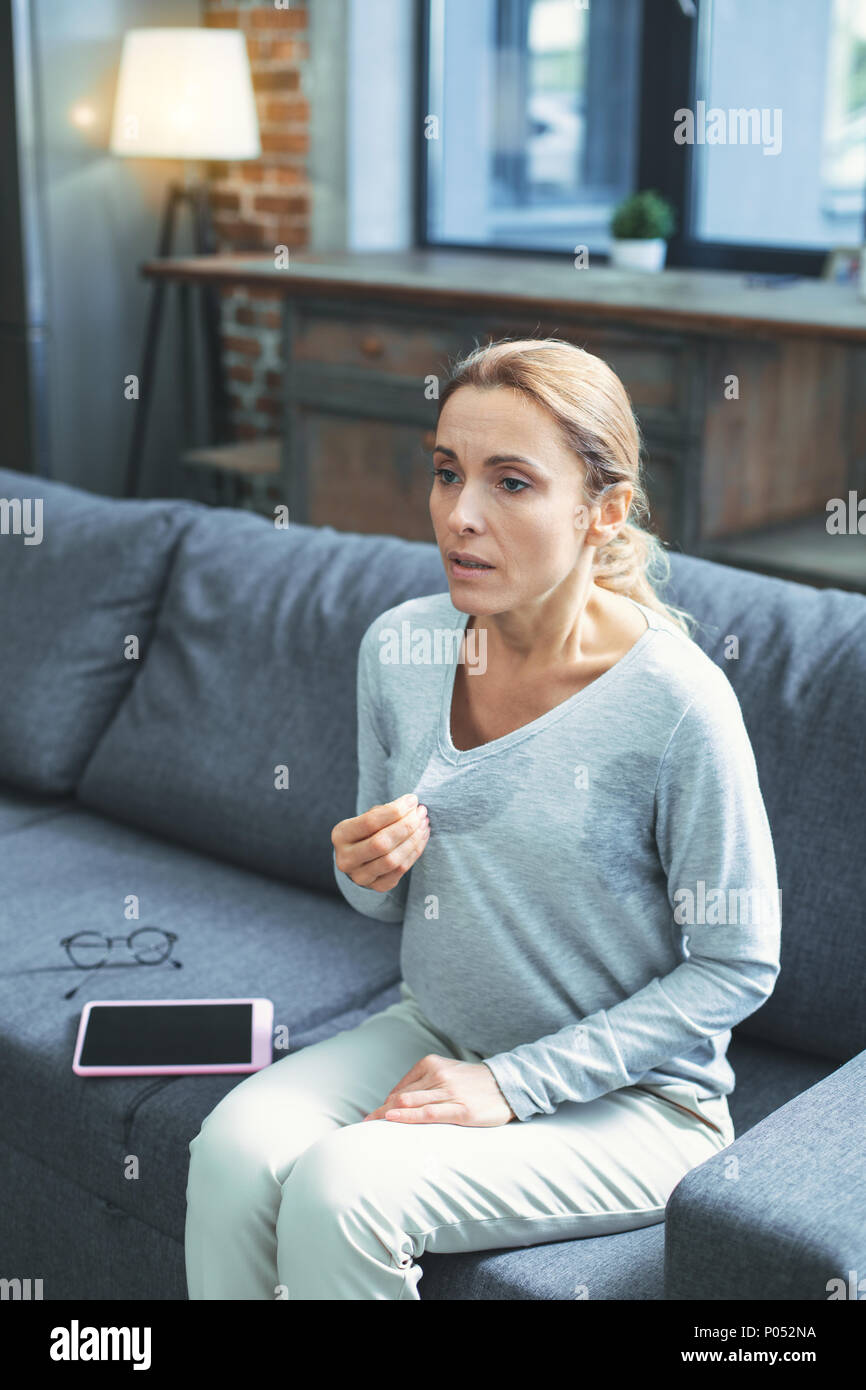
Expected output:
(800, 179)
(543, 114)
(536, 105)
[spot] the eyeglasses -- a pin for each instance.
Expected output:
(90, 949)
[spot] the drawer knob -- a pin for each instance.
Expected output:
(371, 346)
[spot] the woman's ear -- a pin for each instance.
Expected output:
(612, 513)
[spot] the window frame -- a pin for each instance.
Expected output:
(668, 79)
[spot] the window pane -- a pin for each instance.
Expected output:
(535, 102)
(783, 156)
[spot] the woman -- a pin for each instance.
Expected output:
(579, 929)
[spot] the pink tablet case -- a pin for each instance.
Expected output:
(263, 1022)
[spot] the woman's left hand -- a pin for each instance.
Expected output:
(440, 1090)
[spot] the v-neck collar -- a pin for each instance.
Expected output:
(498, 745)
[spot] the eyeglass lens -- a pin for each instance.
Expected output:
(89, 949)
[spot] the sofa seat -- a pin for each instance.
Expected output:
(239, 933)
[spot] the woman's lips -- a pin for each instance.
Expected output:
(468, 571)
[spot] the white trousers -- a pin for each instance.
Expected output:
(290, 1195)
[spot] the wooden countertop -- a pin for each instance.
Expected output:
(694, 301)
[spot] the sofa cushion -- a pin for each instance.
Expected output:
(239, 934)
(252, 667)
(800, 678)
(68, 602)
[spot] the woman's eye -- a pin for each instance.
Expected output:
(440, 472)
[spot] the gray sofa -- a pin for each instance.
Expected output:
(154, 776)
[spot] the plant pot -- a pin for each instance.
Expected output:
(638, 253)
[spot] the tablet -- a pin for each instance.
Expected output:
(149, 1037)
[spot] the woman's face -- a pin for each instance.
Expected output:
(509, 493)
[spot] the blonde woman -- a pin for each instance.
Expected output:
(571, 833)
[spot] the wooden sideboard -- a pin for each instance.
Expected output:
(365, 331)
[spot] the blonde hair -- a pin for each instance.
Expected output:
(591, 406)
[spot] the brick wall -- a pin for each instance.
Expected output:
(260, 204)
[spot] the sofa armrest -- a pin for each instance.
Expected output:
(780, 1212)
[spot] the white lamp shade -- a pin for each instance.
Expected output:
(185, 94)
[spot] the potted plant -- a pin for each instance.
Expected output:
(640, 227)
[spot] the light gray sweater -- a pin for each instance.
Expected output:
(597, 904)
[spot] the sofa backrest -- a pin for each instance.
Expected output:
(239, 735)
(79, 576)
(800, 677)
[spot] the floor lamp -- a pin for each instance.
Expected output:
(183, 94)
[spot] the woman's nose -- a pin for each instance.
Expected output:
(466, 511)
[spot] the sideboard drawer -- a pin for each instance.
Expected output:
(392, 346)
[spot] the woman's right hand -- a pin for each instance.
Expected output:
(377, 848)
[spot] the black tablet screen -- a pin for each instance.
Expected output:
(167, 1035)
